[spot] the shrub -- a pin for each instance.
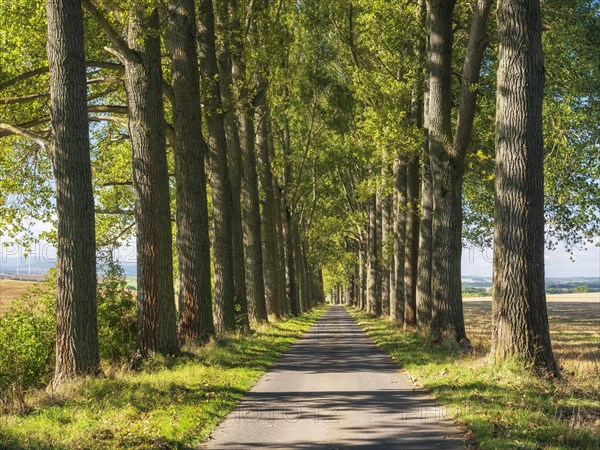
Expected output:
(581, 289)
(27, 339)
(116, 315)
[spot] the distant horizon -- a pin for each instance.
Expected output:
(476, 262)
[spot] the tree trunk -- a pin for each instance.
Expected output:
(446, 286)
(373, 302)
(299, 267)
(76, 327)
(269, 231)
(251, 219)
(219, 172)
(283, 300)
(189, 148)
(157, 326)
(386, 238)
(364, 273)
(399, 213)
(411, 254)
(290, 268)
(424, 297)
(520, 319)
(234, 164)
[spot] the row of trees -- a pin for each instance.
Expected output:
(191, 91)
(308, 145)
(407, 253)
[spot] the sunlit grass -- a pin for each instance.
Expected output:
(503, 408)
(170, 403)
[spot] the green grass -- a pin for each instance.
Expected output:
(171, 403)
(503, 408)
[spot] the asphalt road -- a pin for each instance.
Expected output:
(334, 389)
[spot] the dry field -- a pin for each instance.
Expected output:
(11, 290)
(574, 326)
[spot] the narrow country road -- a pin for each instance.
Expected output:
(334, 389)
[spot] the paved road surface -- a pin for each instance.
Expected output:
(334, 389)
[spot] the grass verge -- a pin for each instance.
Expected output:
(171, 403)
(503, 408)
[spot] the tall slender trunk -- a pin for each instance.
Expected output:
(520, 319)
(251, 219)
(290, 267)
(76, 327)
(284, 306)
(411, 254)
(219, 172)
(157, 326)
(290, 270)
(269, 231)
(373, 302)
(365, 272)
(386, 237)
(397, 306)
(189, 148)
(447, 311)
(424, 297)
(234, 164)
(251, 214)
(299, 266)
(447, 163)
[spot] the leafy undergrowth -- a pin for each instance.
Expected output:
(171, 403)
(503, 408)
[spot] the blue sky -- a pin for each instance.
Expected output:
(476, 262)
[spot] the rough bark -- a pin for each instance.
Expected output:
(157, 327)
(244, 287)
(76, 326)
(411, 254)
(269, 231)
(299, 267)
(283, 300)
(290, 271)
(224, 285)
(424, 297)
(520, 319)
(445, 283)
(250, 206)
(447, 163)
(290, 267)
(189, 148)
(399, 221)
(386, 238)
(373, 302)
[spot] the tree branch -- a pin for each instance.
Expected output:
(125, 52)
(122, 212)
(32, 97)
(40, 70)
(8, 129)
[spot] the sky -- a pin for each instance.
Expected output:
(477, 262)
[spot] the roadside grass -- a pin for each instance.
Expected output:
(172, 402)
(506, 407)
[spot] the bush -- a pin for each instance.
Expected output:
(27, 339)
(28, 334)
(116, 315)
(581, 289)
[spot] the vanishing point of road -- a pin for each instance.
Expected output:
(334, 389)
